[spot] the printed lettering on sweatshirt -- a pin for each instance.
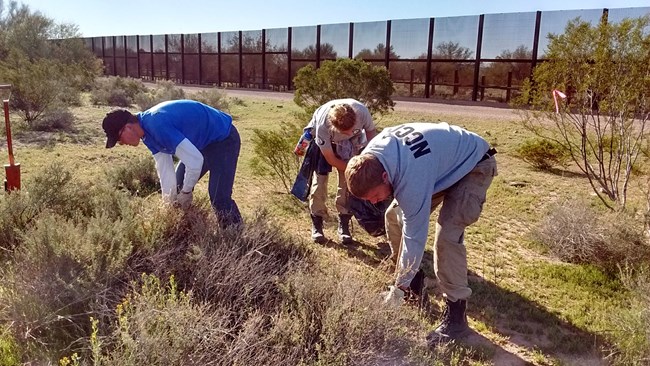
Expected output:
(414, 139)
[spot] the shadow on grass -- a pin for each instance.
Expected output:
(527, 323)
(565, 173)
(369, 254)
(522, 321)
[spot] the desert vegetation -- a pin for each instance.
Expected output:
(95, 270)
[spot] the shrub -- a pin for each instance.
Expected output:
(274, 157)
(57, 119)
(631, 337)
(599, 67)
(35, 85)
(54, 188)
(332, 317)
(138, 177)
(577, 233)
(116, 91)
(213, 98)
(543, 154)
(160, 325)
(15, 215)
(164, 90)
(344, 78)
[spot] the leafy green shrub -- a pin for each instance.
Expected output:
(344, 78)
(9, 352)
(543, 154)
(213, 98)
(57, 119)
(15, 215)
(577, 233)
(35, 85)
(274, 157)
(164, 90)
(54, 188)
(116, 91)
(631, 337)
(138, 177)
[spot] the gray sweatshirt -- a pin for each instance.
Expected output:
(422, 159)
(325, 133)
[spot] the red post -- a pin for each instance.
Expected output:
(8, 128)
(12, 170)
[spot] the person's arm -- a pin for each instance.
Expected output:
(331, 158)
(368, 124)
(165, 169)
(414, 234)
(370, 134)
(193, 160)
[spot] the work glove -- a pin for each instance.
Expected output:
(184, 199)
(394, 296)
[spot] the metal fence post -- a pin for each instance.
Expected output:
(477, 63)
(427, 79)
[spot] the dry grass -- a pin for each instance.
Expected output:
(268, 296)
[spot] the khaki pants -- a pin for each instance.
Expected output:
(462, 204)
(318, 195)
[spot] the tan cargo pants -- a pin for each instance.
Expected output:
(462, 204)
(318, 195)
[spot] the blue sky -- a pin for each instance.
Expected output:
(131, 17)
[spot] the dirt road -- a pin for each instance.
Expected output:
(461, 108)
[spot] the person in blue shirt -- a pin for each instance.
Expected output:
(423, 165)
(202, 137)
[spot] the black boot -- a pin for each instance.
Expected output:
(317, 229)
(344, 229)
(454, 323)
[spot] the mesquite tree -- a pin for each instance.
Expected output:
(601, 113)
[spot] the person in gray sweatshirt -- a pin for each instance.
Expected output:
(423, 165)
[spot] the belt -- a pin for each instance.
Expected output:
(488, 154)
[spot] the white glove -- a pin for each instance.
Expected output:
(184, 199)
(393, 297)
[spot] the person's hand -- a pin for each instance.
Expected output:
(393, 297)
(184, 199)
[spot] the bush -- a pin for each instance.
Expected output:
(138, 177)
(274, 157)
(632, 335)
(116, 91)
(57, 119)
(35, 85)
(165, 90)
(543, 154)
(344, 78)
(213, 98)
(577, 233)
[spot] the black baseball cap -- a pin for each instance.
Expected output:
(113, 123)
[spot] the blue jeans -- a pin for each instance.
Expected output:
(220, 158)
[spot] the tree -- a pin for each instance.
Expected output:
(344, 78)
(378, 53)
(497, 72)
(309, 53)
(46, 63)
(452, 51)
(604, 70)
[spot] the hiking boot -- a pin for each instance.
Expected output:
(317, 229)
(454, 323)
(344, 229)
